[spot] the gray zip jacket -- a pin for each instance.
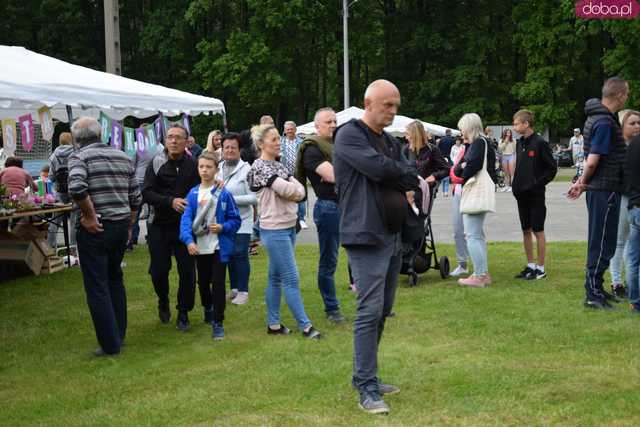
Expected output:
(236, 184)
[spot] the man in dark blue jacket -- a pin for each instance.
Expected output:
(603, 180)
(371, 180)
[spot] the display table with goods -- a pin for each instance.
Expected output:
(25, 242)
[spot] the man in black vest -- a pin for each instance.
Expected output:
(314, 161)
(603, 180)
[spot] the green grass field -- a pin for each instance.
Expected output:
(516, 353)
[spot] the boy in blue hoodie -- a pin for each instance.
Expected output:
(208, 229)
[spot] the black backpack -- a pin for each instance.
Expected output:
(62, 180)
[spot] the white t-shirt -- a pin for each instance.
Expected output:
(208, 243)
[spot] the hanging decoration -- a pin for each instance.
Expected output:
(10, 136)
(27, 132)
(46, 123)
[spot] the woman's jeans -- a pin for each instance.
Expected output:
(632, 255)
(458, 230)
(283, 274)
(476, 242)
(617, 266)
(239, 267)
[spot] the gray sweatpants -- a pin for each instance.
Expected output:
(375, 270)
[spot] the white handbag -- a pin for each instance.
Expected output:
(478, 193)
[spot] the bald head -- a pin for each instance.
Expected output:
(381, 103)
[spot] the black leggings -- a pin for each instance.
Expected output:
(211, 279)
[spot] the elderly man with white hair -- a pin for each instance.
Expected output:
(289, 145)
(372, 178)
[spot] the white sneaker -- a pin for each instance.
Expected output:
(231, 295)
(241, 298)
(459, 271)
(508, 189)
(303, 224)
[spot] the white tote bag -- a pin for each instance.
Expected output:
(478, 193)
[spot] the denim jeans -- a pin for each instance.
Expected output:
(476, 242)
(100, 258)
(603, 211)
(283, 274)
(632, 256)
(302, 210)
(239, 267)
(135, 230)
(326, 216)
(458, 231)
(375, 270)
(617, 265)
(445, 184)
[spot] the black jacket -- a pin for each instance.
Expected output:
(633, 172)
(474, 159)
(609, 175)
(164, 181)
(429, 161)
(535, 166)
(363, 174)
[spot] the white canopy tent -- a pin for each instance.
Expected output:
(398, 126)
(29, 80)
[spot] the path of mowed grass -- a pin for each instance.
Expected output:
(516, 353)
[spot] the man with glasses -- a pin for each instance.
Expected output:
(169, 177)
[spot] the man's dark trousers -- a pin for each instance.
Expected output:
(326, 215)
(375, 271)
(603, 209)
(163, 243)
(100, 258)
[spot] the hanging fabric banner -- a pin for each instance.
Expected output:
(151, 137)
(185, 122)
(116, 135)
(129, 142)
(10, 136)
(46, 123)
(166, 125)
(158, 127)
(27, 132)
(105, 125)
(140, 140)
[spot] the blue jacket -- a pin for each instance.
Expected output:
(227, 214)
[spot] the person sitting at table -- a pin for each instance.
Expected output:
(15, 178)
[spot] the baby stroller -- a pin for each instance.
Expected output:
(418, 245)
(579, 168)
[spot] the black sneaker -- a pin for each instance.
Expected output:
(388, 388)
(526, 274)
(208, 315)
(335, 317)
(610, 297)
(312, 334)
(539, 274)
(372, 403)
(164, 313)
(619, 290)
(283, 330)
(182, 324)
(597, 304)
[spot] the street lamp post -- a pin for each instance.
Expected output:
(345, 50)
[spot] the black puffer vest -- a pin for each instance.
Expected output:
(609, 175)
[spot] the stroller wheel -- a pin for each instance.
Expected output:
(413, 279)
(444, 267)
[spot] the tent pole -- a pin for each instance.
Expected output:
(69, 115)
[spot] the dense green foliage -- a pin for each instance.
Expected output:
(284, 57)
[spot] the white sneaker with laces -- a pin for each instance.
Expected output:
(241, 298)
(303, 224)
(459, 271)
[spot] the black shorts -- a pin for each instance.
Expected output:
(532, 211)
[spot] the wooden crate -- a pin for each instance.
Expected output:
(24, 251)
(51, 265)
